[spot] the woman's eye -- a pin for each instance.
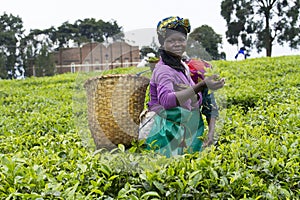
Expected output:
(171, 41)
(174, 41)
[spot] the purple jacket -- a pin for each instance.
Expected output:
(163, 84)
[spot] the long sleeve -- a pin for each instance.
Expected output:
(164, 83)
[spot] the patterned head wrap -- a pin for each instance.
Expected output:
(172, 23)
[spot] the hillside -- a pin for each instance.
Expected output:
(46, 151)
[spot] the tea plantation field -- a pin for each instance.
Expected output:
(46, 151)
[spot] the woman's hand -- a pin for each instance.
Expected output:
(211, 132)
(213, 82)
(209, 141)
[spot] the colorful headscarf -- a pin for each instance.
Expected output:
(172, 23)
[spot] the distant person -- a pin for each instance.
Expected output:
(145, 60)
(241, 54)
(176, 121)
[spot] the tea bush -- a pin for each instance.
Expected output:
(257, 156)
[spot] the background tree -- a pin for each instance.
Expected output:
(205, 37)
(11, 33)
(3, 70)
(195, 50)
(64, 35)
(260, 23)
(44, 64)
(29, 60)
(88, 31)
(111, 30)
(33, 44)
(82, 31)
(94, 30)
(34, 49)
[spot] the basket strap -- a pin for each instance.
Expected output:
(138, 74)
(144, 124)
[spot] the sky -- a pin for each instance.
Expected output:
(137, 17)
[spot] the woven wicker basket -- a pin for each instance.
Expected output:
(114, 105)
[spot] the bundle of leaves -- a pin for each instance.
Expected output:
(153, 59)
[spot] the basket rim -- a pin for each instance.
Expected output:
(107, 76)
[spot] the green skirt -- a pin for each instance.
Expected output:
(176, 131)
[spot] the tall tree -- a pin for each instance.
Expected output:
(94, 30)
(29, 60)
(88, 30)
(259, 23)
(64, 34)
(111, 30)
(33, 44)
(208, 39)
(45, 65)
(3, 70)
(11, 33)
(195, 50)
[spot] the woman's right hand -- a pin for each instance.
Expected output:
(213, 82)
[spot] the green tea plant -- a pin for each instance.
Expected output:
(43, 156)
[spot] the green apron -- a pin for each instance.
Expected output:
(176, 131)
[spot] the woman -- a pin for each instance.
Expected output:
(174, 97)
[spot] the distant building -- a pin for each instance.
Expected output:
(96, 57)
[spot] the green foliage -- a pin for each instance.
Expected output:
(153, 59)
(11, 33)
(208, 39)
(261, 23)
(34, 48)
(42, 155)
(45, 65)
(3, 71)
(196, 51)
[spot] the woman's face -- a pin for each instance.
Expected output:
(175, 43)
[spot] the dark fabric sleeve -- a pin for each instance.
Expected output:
(209, 105)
